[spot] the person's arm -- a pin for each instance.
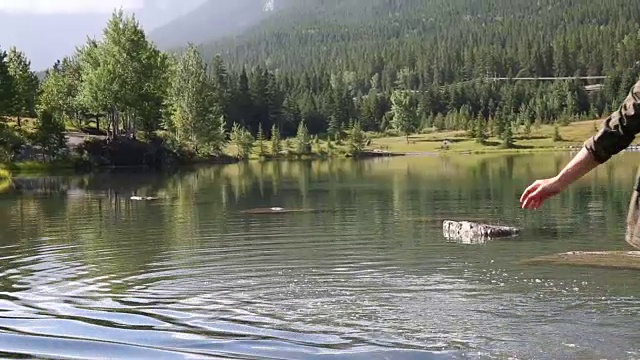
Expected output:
(617, 133)
(579, 166)
(618, 130)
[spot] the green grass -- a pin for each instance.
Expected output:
(540, 139)
(39, 167)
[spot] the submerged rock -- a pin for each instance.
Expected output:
(470, 232)
(602, 259)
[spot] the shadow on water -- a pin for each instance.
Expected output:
(358, 270)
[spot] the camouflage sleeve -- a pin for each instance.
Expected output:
(618, 130)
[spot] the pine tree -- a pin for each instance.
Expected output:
(507, 135)
(334, 128)
(262, 149)
(481, 130)
(243, 140)
(357, 139)
(276, 144)
(303, 143)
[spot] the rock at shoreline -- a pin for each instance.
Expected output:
(470, 232)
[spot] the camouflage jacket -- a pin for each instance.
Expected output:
(618, 130)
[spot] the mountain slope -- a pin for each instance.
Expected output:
(441, 40)
(211, 20)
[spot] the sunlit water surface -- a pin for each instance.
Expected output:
(362, 273)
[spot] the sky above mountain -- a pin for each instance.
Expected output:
(67, 6)
(47, 30)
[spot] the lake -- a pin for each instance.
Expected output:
(361, 271)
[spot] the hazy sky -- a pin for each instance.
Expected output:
(67, 6)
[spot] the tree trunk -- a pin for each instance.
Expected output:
(98, 123)
(112, 124)
(19, 121)
(115, 123)
(133, 129)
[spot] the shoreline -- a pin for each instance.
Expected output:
(381, 145)
(69, 167)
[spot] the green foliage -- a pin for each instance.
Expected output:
(25, 83)
(276, 143)
(123, 75)
(243, 140)
(481, 134)
(262, 148)
(7, 88)
(333, 129)
(303, 141)
(5, 174)
(10, 141)
(507, 136)
(357, 139)
(556, 133)
(404, 116)
(196, 117)
(49, 135)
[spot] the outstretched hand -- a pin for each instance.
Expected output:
(538, 192)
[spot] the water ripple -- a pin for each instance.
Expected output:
(192, 277)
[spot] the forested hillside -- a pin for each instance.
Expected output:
(441, 41)
(328, 52)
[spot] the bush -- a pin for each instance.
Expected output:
(124, 152)
(5, 174)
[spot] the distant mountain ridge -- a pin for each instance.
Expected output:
(210, 21)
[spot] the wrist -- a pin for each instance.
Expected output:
(561, 181)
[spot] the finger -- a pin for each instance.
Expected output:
(528, 199)
(527, 203)
(529, 190)
(539, 200)
(535, 199)
(530, 204)
(536, 204)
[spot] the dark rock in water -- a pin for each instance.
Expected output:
(470, 232)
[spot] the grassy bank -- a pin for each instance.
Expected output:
(39, 166)
(540, 139)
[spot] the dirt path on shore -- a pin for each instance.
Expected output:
(76, 138)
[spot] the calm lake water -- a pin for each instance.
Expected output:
(87, 273)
